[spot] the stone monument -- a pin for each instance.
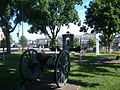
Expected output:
(68, 40)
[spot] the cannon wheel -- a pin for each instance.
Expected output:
(29, 65)
(62, 68)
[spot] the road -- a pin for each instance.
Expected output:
(16, 49)
(12, 49)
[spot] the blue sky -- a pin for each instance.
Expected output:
(73, 28)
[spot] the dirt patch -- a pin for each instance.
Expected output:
(97, 61)
(112, 61)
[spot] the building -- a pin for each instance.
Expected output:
(84, 39)
(31, 43)
(1, 37)
(116, 44)
(43, 42)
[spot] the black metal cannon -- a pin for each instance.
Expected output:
(32, 62)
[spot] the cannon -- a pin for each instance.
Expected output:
(32, 64)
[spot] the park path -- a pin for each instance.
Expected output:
(44, 84)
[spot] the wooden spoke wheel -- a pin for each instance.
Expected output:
(29, 66)
(62, 68)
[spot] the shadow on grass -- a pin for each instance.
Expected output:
(92, 70)
(79, 75)
(77, 57)
(84, 84)
(9, 72)
(94, 58)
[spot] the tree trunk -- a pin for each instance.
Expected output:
(106, 48)
(8, 43)
(53, 43)
(7, 38)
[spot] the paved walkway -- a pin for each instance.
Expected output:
(45, 83)
(42, 85)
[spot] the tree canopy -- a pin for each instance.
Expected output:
(9, 18)
(47, 16)
(76, 42)
(92, 43)
(23, 41)
(103, 16)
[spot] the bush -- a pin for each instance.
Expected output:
(117, 53)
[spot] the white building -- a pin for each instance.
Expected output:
(1, 36)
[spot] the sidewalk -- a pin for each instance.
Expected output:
(42, 85)
(45, 83)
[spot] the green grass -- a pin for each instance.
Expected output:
(9, 72)
(111, 52)
(93, 56)
(11, 55)
(9, 69)
(89, 76)
(96, 76)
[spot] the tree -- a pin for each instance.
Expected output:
(76, 42)
(11, 40)
(23, 41)
(56, 42)
(48, 16)
(103, 16)
(103, 41)
(92, 42)
(9, 18)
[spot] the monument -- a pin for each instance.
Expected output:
(68, 40)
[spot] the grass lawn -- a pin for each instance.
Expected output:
(89, 76)
(93, 56)
(9, 72)
(9, 69)
(96, 76)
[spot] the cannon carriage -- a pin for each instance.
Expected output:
(32, 64)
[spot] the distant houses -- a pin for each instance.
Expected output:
(1, 37)
(116, 44)
(43, 42)
(85, 39)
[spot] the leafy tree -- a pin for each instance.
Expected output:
(76, 42)
(103, 41)
(9, 18)
(56, 42)
(48, 16)
(92, 42)
(104, 17)
(23, 41)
